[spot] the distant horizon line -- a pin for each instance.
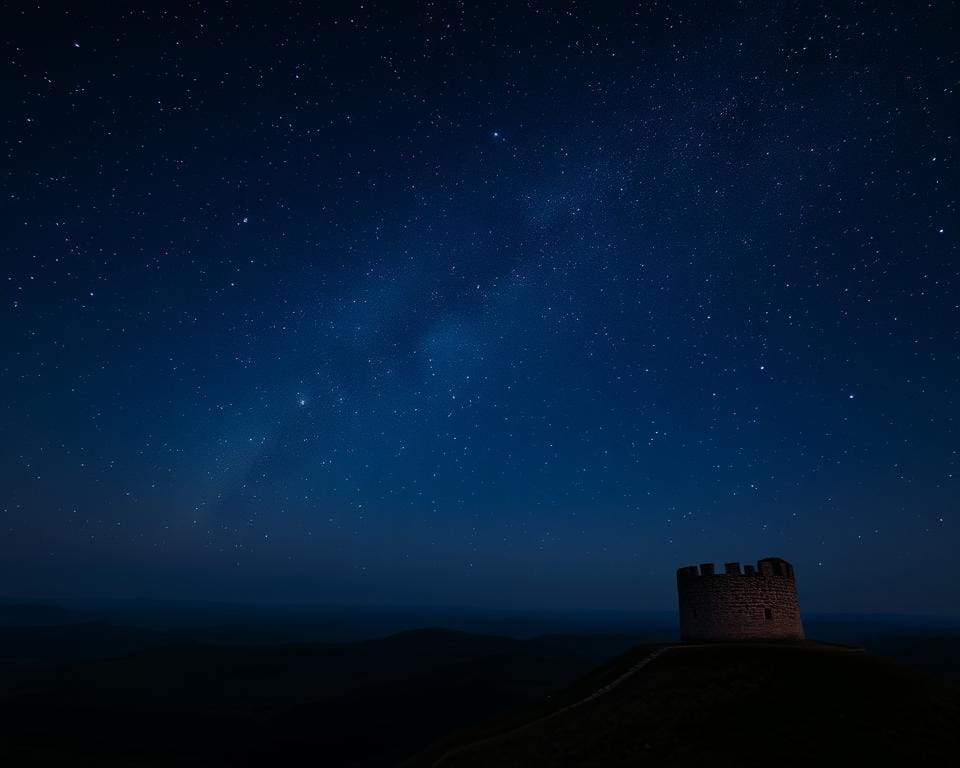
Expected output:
(7, 601)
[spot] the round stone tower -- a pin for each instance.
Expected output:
(758, 603)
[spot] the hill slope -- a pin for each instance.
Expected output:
(736, 704)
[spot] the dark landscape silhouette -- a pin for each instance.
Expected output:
(106, 684)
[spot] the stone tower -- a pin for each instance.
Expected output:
(759, 603)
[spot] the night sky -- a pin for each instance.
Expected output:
(510, 304)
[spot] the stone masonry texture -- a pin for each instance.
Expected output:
(757, 603)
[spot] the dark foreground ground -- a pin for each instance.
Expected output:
(99, 694)
(359, 704)
(794, 705)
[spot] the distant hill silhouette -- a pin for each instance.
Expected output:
(37, 614)
(23, 646)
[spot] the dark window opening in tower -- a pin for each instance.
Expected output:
(768, 614)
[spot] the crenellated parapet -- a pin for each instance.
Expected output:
(769, 566)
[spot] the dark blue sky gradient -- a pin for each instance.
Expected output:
(496, 304)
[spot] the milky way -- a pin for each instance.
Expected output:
(503, 304)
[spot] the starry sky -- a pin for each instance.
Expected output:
(506, 304)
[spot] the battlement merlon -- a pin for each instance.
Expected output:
(767, 566)
(775, 566)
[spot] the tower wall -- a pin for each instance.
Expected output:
(756, 603)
